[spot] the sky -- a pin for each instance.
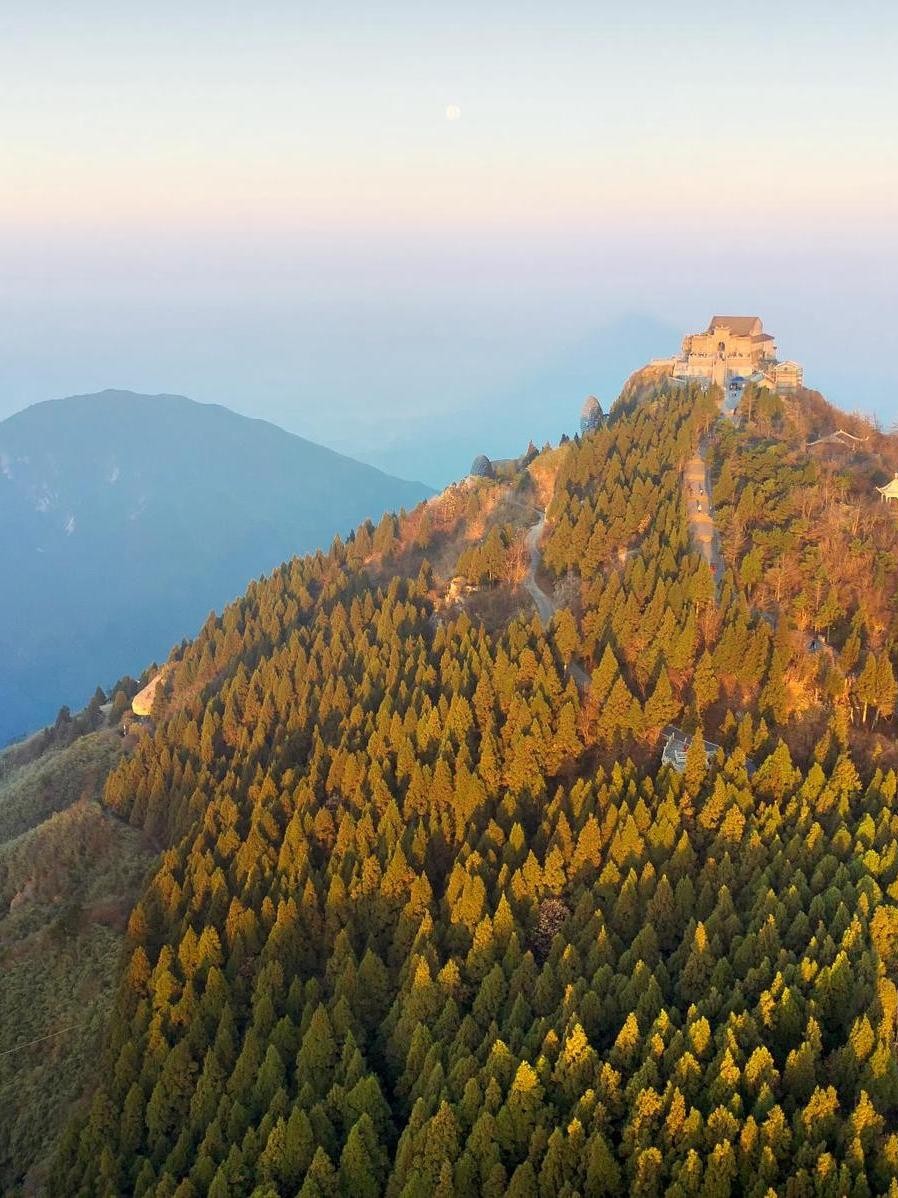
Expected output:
(268, 206)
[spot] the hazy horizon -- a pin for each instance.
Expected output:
(271, 209)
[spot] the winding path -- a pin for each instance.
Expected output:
(701, 527)
(698, 507)
(546, 605)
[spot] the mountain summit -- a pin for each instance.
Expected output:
(124, 518)
(541, 841)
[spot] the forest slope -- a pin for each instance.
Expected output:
(434, 920)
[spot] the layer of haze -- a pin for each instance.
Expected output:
(265, 206)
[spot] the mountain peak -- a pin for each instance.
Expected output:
(154, 509)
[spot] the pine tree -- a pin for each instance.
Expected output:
(696, 767)
(321, 1179)
(866, 686)
(661, 708)
(705, 686)
(886, 688)
(363, 1162)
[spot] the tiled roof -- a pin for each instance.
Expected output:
(739, 326)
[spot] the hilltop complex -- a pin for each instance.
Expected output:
(539, 841)
(733, 348)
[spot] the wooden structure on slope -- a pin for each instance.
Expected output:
(839, 437)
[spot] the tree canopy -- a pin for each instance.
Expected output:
(431, 918)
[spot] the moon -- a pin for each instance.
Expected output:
(453, 112)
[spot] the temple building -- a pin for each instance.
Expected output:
(735, 348)
(787, 376)
(731, 345)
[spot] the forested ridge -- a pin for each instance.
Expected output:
(434, 920)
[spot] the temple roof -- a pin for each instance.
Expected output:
(739, 326)
(890, 490)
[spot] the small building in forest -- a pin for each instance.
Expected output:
(458, 587)
(131, 723)
(677, 746)
(889, 491)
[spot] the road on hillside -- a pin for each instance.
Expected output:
(545, 603)
(701, 518)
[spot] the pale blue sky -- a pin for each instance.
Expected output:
(266, 206)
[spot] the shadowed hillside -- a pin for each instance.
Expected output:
(69, 874)
(125, 518)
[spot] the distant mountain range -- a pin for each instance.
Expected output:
(539, 405)
(125, 518)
